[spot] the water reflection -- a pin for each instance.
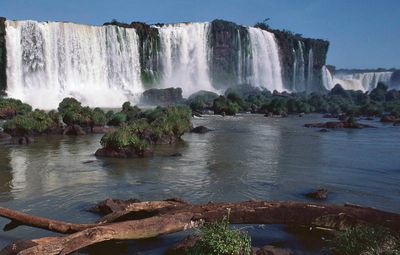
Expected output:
(246, 157)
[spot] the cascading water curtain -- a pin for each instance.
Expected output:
(98, 65)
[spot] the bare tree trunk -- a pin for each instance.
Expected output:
(149, 219)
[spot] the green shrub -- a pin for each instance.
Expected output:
(98, 117)
(10, 107)
(33, 122)
(124, 137)
(366, 240)
(117, 119)
(218, 239)
(158, 123)
(224, 105)
(132, 112)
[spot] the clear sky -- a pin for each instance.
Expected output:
(363, 33)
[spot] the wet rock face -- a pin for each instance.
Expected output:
(162, 97)
(337, 124)
(123, 153)
(74, 130)
(200, 130)
(319, 194)
(5, 138)
(395, 80)
(226, 40)
(3, 57)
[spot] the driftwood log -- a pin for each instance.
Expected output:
(131, 219)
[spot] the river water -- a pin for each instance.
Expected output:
(245, 157)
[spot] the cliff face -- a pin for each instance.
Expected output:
(301, 58)
(230, 47)
(231, 56)
(3, 57)
(149, 48)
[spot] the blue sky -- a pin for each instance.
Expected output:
(363, 33)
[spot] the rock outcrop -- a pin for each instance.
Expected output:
(3, 57)
(162, 97)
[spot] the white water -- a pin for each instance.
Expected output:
(298, 82)
(356, 81)
(185, 57)
(49, 61)
(266, 66)
(310, 78)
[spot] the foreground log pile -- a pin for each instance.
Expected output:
(132, 219)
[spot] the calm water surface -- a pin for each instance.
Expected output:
(246, 157)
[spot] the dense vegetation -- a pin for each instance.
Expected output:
(35, 122)
(140, 129)
(11, 107)
(338, 101)
(72, 112)
(218, 238)
(368, 240)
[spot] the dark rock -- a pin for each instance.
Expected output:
(389, 119)
(200, 130)
(176, 154)
(5, 138)
(7, 113)
(74, 130)
(319, 194)
(330, 116)
(369, 118)
(88, 161)
(342, 117)
(111, 205)
(337, 124)
(395, 80)
(271, 250)
(196, 114)
(3, 57)
(324, 130)
(190, 241)
(101, 129)
(123, 153)
(162, 97)
(301, 114)
(180, 248)
(22, 140)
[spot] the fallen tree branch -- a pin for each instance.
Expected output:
(19, 218)
(127, 230)
(174, 216)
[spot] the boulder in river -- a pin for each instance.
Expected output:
(101, 129)
(319, 194)
(200, 130)
(338, 124)
(390, 119)
(5, 138)
(162, 97)
(123, 153)
(74, 130)
(22, 140)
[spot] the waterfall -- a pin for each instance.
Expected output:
(239, 57)
(266, 66)
(299, 81)
(364, 81)
(184, 57)
(47, 61)
(310, 77)
(327, 78)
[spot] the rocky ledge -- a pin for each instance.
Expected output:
(123, 153)
(338, 124)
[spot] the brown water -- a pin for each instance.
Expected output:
(246, 157)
